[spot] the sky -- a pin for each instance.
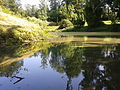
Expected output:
(31, 2)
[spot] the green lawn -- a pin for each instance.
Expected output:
(108, 27)
(109, 22)
(105, 22)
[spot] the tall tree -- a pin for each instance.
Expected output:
(42, 11)
(93, 11)
(54, 10)
(13, 5)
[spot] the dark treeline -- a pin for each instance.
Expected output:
(76, 11)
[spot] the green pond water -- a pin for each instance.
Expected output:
(63, 63)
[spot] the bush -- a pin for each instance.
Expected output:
(19, 35)
(65, 23)
(37, 21)
(3, 9)
(78, 22)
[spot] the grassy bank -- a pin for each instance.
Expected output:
(15, 29)
(104, 28)
(107, 27)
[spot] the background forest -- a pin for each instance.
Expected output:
(68, 13)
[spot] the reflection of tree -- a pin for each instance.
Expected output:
(66, 59)
(114, 73)
(11, 58)
(101, 71)
(19, 79)
(12, 51)
(100, 67)
(109, 51)
(11, 70)
(69, 84)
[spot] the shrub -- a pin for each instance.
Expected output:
(3, 9)
(65, 23)
(1, 30)
(37, 21)
(78, 22)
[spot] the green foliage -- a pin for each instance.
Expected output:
(55, 16)
(31, 10)
(93, 15)
(17, 30)
(37, 21)
(77, 11)
(91, 11)
(65, 23)
(7, 11)
(78, 22)
(12, 5)
(38, 12)
(19, 35)
(57, 11)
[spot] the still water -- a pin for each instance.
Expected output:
(66, 63)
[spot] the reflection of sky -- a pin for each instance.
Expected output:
(36, 78)
(101, 67)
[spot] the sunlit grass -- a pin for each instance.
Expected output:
(107, 22)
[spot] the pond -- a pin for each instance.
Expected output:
(64, 63)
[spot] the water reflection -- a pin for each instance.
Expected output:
(93, 67)
(11, 59)
(11, 70)
(101, 68)
(99, 65)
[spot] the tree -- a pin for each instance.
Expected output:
(1, 2)
(53, 13)
(113, 10)
(13, 5)
(42, 11)
(93, 11)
